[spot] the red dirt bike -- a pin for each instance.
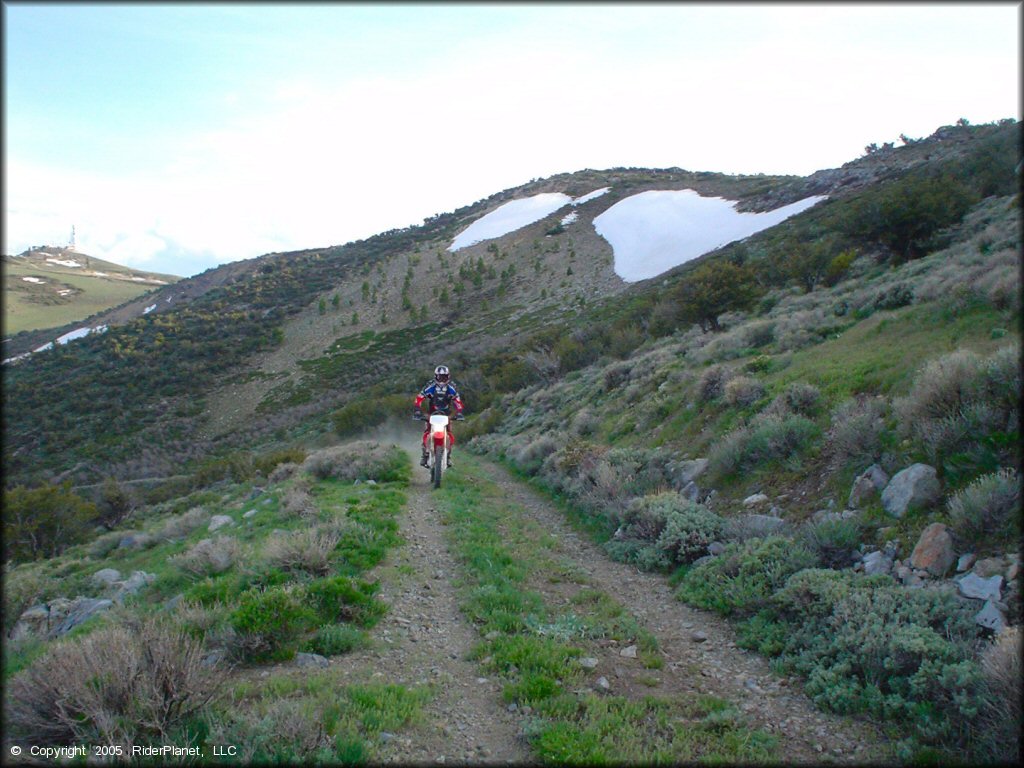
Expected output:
(439, 443)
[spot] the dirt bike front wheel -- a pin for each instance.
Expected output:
(438, 467)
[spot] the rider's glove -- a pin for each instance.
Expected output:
(417, 414)
(459, 417)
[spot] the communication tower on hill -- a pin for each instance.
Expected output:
(71, 245)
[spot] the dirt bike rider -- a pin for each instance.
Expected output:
(441, 395)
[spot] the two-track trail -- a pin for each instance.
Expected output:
(425, 640)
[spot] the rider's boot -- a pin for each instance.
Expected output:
(424, 458)
(449, 465)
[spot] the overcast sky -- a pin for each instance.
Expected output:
(178, 137)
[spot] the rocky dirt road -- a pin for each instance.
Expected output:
(425, 640)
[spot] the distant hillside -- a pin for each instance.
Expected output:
(52, 287)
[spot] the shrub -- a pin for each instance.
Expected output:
(760, 334)
(530, 457)
(616, 375)
(282, 472)
(115, 503)
(988, 508)
(336, 639)
(269, 623)
(104, 545)
(712, 383)
(802, 398)
(118, 685)
(362, 460)
(341, 599)
(689, 528)
(743, 578)
(868, 644)
(834, 541)
(856, 437)
(266, 463)
(43, 521)
(181, 526)
(209, 556)
(743, 391)
(22, 589)
(1001, 710)
(963, 412)
(298, 502)
(769, 438)
(307, 550)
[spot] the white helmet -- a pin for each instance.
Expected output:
(441, 374)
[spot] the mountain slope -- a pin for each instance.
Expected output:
(245, 350)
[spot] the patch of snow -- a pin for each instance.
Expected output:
(78, 333)
(590, 196)
(567, 220)
(159, 282)
(149, 309)
(64, 262)
(35, 280)
(509, 217)
(100, 274)
(16, 358)
(65, 292)
(651, 232)
(139, 279)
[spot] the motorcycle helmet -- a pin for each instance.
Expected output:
(441, 374)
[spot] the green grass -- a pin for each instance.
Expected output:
(24, 312)
(501, 552)
(881, 354)
(306, 718)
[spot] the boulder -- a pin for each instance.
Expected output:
(691, 470)
(867, 485)
(974, 586)
(990, 566)
(759, 525)
(934, 550)
(691, 491)
(219, 521)
(133, 584)
(106, 577)
(311, 660)
(79, 611)
(701, 560)
(965, 562)
(716, 548)
(915, 486)
(991, 617)
(249, 514)
(756, 500)
(136, 540)
(877, 562)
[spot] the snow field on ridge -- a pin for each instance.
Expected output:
(649, 232)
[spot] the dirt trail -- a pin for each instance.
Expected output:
(424, 639)
(699, 649)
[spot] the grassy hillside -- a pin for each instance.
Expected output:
(56, 294)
